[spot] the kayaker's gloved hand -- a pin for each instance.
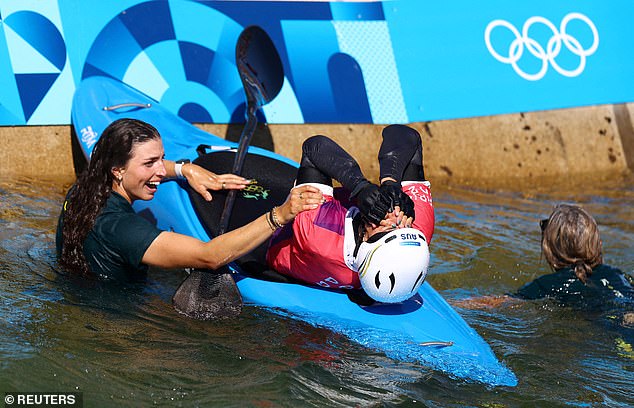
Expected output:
(392, 191)
(373, 205)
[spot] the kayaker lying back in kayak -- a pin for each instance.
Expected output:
(99, 233)
(379, 241)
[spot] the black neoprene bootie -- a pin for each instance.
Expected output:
(401, 147)
(415, 170)
(401, 154)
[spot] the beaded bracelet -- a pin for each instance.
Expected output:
(273, 217)
(268, 221)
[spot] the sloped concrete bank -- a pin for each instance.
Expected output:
(506, 151)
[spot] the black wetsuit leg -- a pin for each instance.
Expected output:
(324, 160)
(401, 154)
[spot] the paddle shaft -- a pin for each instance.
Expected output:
(243, 147)
(262, 76)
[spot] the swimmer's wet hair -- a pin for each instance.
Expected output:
(90, 192)
(571, 239)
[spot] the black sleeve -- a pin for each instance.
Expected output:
(132, 235)
(531, 290)
(545, 285)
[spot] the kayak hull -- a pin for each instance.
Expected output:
(423, 329)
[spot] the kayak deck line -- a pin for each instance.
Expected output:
(436, 343)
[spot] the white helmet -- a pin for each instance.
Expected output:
(393, 267)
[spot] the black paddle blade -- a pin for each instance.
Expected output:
(259, 66)
(208, 296)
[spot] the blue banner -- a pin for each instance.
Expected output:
(378, 62)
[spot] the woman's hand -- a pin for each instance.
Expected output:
(300, 199)
(203, 180)
(396, 219)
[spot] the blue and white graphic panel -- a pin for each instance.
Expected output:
(395, 61)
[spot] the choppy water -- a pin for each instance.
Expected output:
(125, 346)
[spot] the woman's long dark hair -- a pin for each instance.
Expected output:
(93, 187)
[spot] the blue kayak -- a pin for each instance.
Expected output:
(423, 329)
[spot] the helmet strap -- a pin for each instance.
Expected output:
(358, 226)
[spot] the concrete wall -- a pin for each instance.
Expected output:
(497, 151)
(36, 151)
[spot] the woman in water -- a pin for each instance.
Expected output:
(100, 234)
(573, 249)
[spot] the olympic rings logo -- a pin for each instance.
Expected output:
(553, 47)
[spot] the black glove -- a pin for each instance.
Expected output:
(392, 192)
(372, 204)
